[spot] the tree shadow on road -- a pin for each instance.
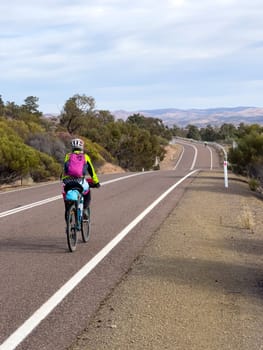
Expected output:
(241, 245)
(218, 276)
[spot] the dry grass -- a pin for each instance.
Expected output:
(246, 218)
(172, 154)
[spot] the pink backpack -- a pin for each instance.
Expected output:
(76, 165)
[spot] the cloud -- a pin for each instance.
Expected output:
(95, 46)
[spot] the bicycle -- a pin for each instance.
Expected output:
(75, 221)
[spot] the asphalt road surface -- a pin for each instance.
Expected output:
(48, 294)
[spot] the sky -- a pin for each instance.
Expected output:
(132, 55)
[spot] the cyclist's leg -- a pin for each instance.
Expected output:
(64, 199)
(85, 225)
(86, 203)
(65, 204)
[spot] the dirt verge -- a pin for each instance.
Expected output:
(198, 283)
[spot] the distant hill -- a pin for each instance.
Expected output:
(200, 117)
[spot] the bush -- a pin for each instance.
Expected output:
(16, 158)
(253, 184)
(46, 169)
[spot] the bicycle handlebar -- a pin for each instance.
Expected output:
(91, 183)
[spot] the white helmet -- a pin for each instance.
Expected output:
(77, 144)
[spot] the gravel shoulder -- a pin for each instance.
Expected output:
(199, 282)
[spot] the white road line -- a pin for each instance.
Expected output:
(54, 182)
(30, 324)
(211, 154)
(28, 188)
(195, 149)
(28, 206)
(179, 160)
(51, 199)
(125, 177)
(195, 156)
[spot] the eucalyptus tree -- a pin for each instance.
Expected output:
(209, 133)
(227, 132)
(11, 110)
(2, 106)
(193, 132)
(16, 158)
(75, 113)
(31, 105)
(248, 153)
(154, 125)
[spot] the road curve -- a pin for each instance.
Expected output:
(36, 265)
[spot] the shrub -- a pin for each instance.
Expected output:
(253, 184)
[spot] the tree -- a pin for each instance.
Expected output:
(31, 105)
(104, 117)
(154, 125)
(12, 110)
(137, 147)
(248, 154)
(75, 112)
(177, 131)
(2, 107)
(227, 132)
(244, 129)
(208, 134)
(193, 132)
(16, 158)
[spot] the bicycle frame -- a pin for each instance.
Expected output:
(74, 194)
(74, 214)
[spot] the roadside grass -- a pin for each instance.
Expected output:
(246, 218)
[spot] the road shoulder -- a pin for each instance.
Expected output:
(199, 282)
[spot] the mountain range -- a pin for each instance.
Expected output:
(200, 117)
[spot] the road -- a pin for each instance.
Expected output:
(47, 293)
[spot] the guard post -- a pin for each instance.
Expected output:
(225, 165)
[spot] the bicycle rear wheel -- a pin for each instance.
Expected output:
(71, 230)
(85, 226)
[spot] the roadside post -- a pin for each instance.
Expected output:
(225, 173)
(225, 165)
(225, 157)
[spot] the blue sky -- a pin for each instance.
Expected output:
(132, 55)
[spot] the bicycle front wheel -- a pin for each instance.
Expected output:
(85, 226)
(71, 230)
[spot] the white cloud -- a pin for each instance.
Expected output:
(176, 3)
(93, 45)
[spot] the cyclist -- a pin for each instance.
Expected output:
(73, 160)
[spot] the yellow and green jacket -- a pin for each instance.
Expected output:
(90, 168)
